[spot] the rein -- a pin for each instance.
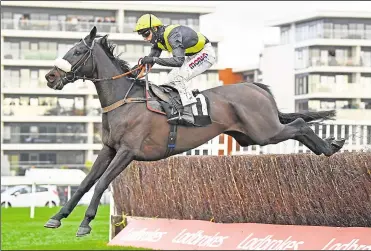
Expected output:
(127, 100)
(70, 76)
(140, 75)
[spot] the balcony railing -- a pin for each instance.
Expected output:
(46, 138)
(333, 34)
(346, 34)
(358, 138)
(40, 83)
(331, 61)
(32, 54)
(45, 164)
(317, 61)
(48, 110)
(56, 25)
(129, 27)
(51, 55)
(340, 88)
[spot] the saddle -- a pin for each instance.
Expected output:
(164, 99)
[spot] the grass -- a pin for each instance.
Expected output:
(20, 232)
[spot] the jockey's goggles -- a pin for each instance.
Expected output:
(145, 33)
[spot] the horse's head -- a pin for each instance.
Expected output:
(77, 63)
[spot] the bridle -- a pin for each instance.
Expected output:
(70, 75)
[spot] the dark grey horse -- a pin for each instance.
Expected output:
(247, 112)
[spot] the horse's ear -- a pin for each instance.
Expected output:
(93, 33)
(104, 39)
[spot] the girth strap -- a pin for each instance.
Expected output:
(171, 140)
(122, 102)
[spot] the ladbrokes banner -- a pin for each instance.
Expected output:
(193, 235)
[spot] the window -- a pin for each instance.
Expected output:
(368, 31)
(337, 30)
(360, 31)
(352, 30)
(41, 189)
(7, 51)
(15, 50)
(344, 31)
(7, 78)
(285, 35)
(15, 78)
(328, 29)
(299, 60)
(24, 190)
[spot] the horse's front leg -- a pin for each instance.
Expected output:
(104, 158)
(122, 159)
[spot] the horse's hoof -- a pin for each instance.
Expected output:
(52, 223)
(338, 144)
(83, 231)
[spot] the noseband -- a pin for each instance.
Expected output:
(70, 76)
(64, 65)
(70, 71)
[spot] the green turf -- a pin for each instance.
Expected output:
(20, 232)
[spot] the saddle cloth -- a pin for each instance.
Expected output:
(164, 97)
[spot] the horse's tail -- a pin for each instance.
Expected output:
(286, 118)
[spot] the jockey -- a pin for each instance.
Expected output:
(192, 55)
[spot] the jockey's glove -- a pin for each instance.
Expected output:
(134, 74)
(148, 60)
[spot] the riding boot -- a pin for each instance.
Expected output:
(185, 94)
(182, 117)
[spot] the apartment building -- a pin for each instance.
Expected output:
(250, 74)
(47, 128)
(323, 62)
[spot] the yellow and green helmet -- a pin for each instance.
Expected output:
(147, 21)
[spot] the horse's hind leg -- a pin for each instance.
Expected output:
(264, 128)
(299, 130)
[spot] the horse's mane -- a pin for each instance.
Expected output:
(108, 49)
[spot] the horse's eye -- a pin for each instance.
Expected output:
(77, 53)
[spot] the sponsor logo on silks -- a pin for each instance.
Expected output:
(198, 60)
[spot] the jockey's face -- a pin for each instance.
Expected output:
(147, 35)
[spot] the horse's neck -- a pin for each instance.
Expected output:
(110, 91)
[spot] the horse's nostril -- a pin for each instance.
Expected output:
(50, 77)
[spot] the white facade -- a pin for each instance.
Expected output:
(45, 128)
(323, 62)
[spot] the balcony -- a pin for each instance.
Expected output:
(56, 119)
(303, 34)
(46, 138)
(56, 25)
(38, 87)
(31, 54)
(45, 164)
(345, 110)
(129, 27)
(345, 34)
(131, 58)
(46, 57)
(337, 90)
(47, 110)
(75, 30)
(50, 147)
(353, 114)
(317, 64)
